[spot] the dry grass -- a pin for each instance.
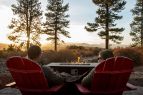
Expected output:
(7, 54)
(60, 56)
(68, 54)
(84, 51)
(136, 54)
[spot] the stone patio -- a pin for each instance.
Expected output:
(14, 91)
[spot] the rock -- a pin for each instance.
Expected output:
(139, 91)
(10, 91)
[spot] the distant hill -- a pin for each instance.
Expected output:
(61, 46)
(2, 46)
(102, 45)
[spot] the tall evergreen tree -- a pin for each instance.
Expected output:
(105, 21)
(26, 25)
(137, 24)
(56, 21)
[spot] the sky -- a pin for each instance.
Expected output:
(81, 12)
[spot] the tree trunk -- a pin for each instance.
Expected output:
(55, 39)
(27, 28)
(28, 33)
(28, 37)
(56, 34)
(28, 22)
(107, 27)
(142, 26)
(28, 42)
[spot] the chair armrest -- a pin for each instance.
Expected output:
(12, 84)
(82, 89)
(130, 86)
(55, 88)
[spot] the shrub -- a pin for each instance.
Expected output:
(75, 47)
(60, 56)
(96, 50)
(132, 53)
(86, 53)
(7, 54)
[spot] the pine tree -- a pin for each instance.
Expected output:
(137, 24)
(105, 21)
(26, 25)
(56, 21)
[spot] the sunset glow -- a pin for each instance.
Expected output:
(80, 13)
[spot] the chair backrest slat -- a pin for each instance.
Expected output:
(112, 75)
(27, 74)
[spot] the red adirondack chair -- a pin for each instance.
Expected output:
(110, 77)
(29, 77)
